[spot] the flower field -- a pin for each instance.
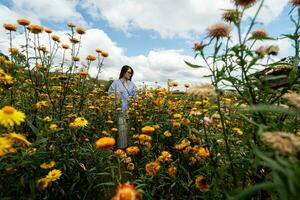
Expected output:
(237, 137)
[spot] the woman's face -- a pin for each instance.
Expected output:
(127, 74)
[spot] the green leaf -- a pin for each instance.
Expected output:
(245, 194)
(193, 65)
(272, 108)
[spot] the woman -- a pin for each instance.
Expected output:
(123, 88)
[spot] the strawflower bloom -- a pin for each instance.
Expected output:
(152, 168)
(36, 29)
(201, 184)
(48, 30)
(148, 129)
(91, 58)
(105, 142)
(48, 165)
(43, 183)
(72, 25)
(9, 116)
(80, 31)
(98, 50)
(55, 38)
(18, 138)
(23, 22)
(54, 175)
(10, 27)
(6, 146)
(172, 171)
(104, 54)
(80, 122)
(133, 150)
(126, 191)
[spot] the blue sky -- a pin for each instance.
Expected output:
(153, 36)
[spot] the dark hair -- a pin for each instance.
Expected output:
(124, 69)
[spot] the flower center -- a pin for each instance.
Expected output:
(8, 109)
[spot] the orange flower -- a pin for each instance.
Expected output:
(74, 40)
(80, 31)
(148, 129)
(48, 30)
(35, 29)
(10, 27)
(76, 58)
(55, 38)
(152, 168)
(133, 150)
(105, 142)
(13, 51)
(98, 50)
(126, 191)
(72, 25)
(104, 54)
(219, 31)
(23, 22)
(244, 3)
(91, 58)
(201, 184)
(65, 46)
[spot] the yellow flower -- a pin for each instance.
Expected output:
(176, 124)
(148, 129)
(114, 130)
(21, 139)
(55, 38)
(71, 25)
(133, 150)
(48, 165)
(203, 152)
(80, 31)
(80, 122)
(41, 104)
(172, 171)
(126, 191)
(23, 22)
(130, 166)
(177, 116)
(91, 58)
(98, 50)
(35, 29)
(10, 116)
(187, 85)
(152, 168)
(165, 156)
(54, 175)
(6, 146)
(10, 27)
(105, 142)
(238, 131)
(104, 54)
(53, 127)
(43, 183)
(201, 184)
(167, 133)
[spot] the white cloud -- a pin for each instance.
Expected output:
(171, 18)
(54, 10)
